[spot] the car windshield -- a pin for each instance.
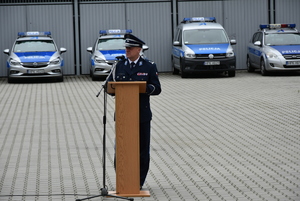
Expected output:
(35, 46)
(204, 36)
(111, 44)
(282, 39)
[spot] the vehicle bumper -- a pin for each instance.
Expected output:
(99, 70)
(198, 65)
(283, 65)
(22, 72)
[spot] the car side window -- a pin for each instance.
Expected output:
(178, 36)
(259, 37)
(255, 38)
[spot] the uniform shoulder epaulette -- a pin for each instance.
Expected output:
(152, 62)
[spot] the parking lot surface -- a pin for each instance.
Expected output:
(213, 138)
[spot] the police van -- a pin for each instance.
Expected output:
(34, 55)
(107, 47)
(202, 45)
(274, 47)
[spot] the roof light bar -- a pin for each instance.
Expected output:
(199, 19)
(34, 33)
(276, 26)
(115, 31)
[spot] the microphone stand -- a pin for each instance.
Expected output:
(104, 191)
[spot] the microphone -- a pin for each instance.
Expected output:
(122, 57)
(104, 84)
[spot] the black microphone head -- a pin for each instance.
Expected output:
(122, 57)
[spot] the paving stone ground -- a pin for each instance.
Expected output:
(213, 138)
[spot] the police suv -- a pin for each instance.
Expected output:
(202, 45)
(34, 55)
(274, 47)
(107, 47)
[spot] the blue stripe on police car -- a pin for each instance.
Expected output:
(287, 49)
(34, 56)
(209, 48)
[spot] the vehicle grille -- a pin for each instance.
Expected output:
(205, 56)
(292, 56)
(35, 64)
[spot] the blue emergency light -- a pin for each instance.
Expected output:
(276, 26)
(199, 19)
(115, 31)
(34, 33)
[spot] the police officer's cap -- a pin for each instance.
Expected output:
(133, 41)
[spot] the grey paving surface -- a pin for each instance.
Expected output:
(213, 138)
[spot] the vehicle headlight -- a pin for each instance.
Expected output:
(14, 62)
(100, 60)
(272, 55)
(55, 61)
(230, 54)
(190, 55)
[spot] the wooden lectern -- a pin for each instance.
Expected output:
(127, 137)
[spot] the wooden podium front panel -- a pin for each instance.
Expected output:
(127, 139)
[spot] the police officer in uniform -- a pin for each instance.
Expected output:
(136, 68)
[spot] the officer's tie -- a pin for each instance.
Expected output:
(132, 65)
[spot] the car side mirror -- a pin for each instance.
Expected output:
(176, 43)
(232, 41)
(62, 50)
(6, 51)
(89, 49)
(257, 43)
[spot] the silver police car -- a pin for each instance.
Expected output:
(107, 47)
(34, 55)
(274, 47)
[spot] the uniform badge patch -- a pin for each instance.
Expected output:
(142, 74)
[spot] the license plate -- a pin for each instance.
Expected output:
(293, 63)
(210, 63)
(39, 71)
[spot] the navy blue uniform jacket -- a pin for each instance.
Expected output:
(144, 70)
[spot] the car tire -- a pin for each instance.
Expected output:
(91, 74)
(175, 70)
(183, 74)
(231, 73)
(263, 70)
(61, 79)
(94, 78)
(9, 80)
(249, 65)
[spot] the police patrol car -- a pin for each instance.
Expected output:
(200, 45)
(34, 55)
(275, 47)
(107, 47)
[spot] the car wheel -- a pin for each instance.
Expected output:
(175, 70)
(231, 73)
(263, 70)
(183, 74)
(61, 79)
(249, 65)
(94, 78)
(9, 80)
